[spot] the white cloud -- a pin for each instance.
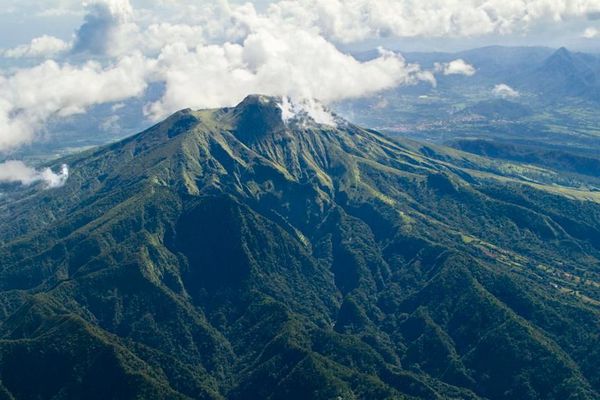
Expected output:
(505, 91)
(347, 20)
(456, 67)
(118, 106)
(17, 172)
(113, 28)
(29, 97)
(104, 24)
(354, 20)
(288, 62)
(591, 33)
(111, 124)
(39, 47)
(297, 110)
(157, 36)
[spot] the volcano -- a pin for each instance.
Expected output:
(233, 253)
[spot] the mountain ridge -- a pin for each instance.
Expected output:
(227, 254)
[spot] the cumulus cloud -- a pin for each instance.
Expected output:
(591, 33)
(29, 97)
(18, 172)
(346, 20)
(156, 36)
(289, 62)
(40, 47)
(505, 91)
(113, 28)
(456, 67)
(354, 20)
(104, 22)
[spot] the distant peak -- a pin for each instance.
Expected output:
(562, 53)
(561, 60)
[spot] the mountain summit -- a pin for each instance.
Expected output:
(229, 253)
(257, 116)
(565, 74)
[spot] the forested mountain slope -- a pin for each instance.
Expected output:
(231, 254)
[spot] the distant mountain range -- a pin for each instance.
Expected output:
(523, 103)
(231, 254)
(551, 74)
(563, 74)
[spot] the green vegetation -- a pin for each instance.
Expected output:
(224, 254)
